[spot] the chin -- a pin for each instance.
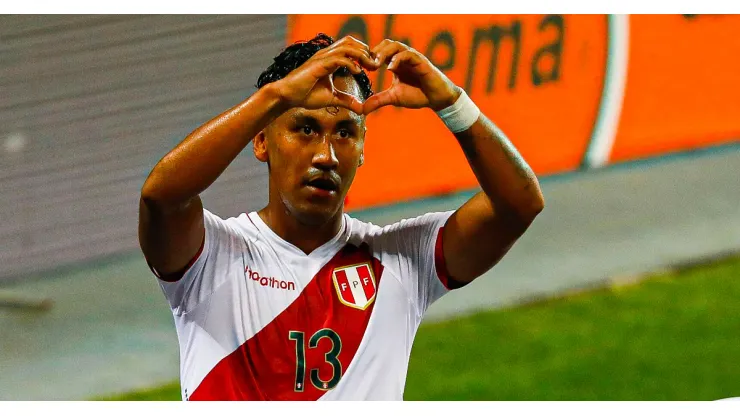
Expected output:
(313, 213)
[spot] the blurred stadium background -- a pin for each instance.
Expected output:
(631, 121)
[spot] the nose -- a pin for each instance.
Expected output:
(324, 157)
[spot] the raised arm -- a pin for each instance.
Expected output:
(170, 211)
(171, 228)
(480, 232)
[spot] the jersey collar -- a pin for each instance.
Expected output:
(329, 247)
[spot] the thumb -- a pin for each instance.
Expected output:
(348, 101)
(378, 100)
(340, 98)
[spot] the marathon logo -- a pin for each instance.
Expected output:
(268, 281)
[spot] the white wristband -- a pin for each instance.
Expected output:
(461, 115)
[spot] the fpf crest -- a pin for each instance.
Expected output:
(356, 286)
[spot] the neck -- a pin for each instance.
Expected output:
(307, 237)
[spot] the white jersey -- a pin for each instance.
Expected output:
(258, 319)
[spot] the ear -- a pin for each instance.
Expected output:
(260, 146)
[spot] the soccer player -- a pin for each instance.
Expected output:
(300, 301)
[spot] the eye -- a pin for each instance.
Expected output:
(307, 130)
(345, 134)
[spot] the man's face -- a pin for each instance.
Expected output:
(313, 156)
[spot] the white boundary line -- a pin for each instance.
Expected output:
(615, 80)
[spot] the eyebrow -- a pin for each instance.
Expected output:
(349, 123)
(304, 118)
(351, 120)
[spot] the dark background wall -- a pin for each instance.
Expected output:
(88, 104)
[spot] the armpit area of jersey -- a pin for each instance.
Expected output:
(175, 276)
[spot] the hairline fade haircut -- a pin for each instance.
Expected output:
(298, 53)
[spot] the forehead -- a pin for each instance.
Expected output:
(345, 84)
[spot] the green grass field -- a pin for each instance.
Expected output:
(674, 336)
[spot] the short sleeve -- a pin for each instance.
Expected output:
(208, 269)
(415, 247)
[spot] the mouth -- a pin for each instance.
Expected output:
(323, 186)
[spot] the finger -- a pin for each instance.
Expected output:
(350, 64)
(387, 49)
(406, 57)
(329, 65)
(346, 42)
(357, 53)
(380, 46)
(379, 100)
(349, 46)
(348, 101)
(326, 95)
(349, 40)
(341, 98)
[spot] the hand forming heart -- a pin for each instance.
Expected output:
(417, 83)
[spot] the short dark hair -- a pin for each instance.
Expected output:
(296, 54)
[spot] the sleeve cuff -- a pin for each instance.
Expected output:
(440, 264)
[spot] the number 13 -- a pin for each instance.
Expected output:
(330, 357)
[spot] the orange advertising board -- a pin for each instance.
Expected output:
(542, 79)
(509, 65)
(682, 90)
